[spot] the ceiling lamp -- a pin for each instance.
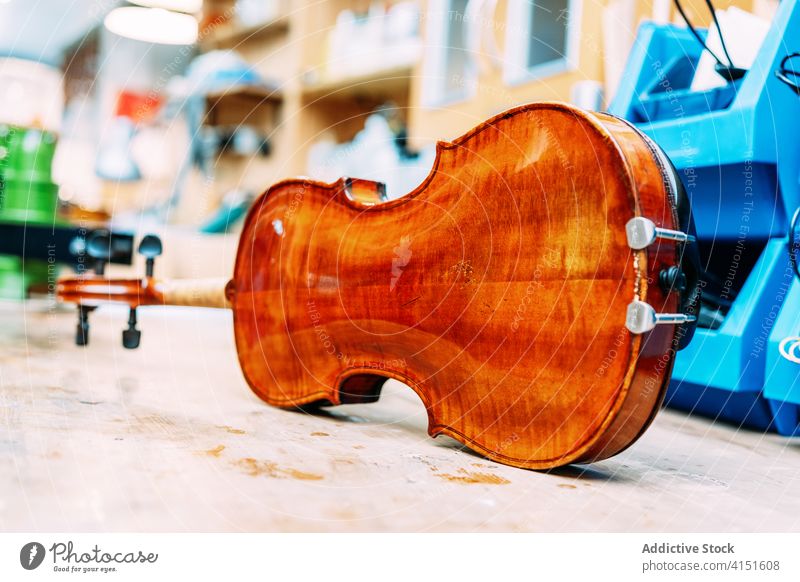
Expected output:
(191, 6)
(154, 25)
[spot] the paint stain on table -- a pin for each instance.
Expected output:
(257, 468)
(231, 430)
(216, 451)
(474, 477)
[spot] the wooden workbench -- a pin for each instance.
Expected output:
(170, 438)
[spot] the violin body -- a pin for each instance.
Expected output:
(497, 289)
(532, 290)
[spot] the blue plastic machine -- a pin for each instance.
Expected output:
(737, 150)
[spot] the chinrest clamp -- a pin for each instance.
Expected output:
(641, 317)
(642, 232)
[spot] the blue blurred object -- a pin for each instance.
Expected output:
(220, 70)
(233, 209)
(737, 151)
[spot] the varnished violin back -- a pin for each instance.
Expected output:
(497, 290)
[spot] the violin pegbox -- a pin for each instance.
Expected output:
(92, 290)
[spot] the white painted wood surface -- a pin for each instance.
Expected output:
(170, 438)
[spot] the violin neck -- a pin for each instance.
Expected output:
(137, 292)
(194, 292)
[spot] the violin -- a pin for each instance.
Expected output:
(532, 290)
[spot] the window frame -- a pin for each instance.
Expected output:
(515, 67)
(434, 92)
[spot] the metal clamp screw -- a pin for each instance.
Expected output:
(641, 317)
(642, 232)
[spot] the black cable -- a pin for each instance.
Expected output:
(719, 32)
(697, 34)
(728, 72)
(789, 76)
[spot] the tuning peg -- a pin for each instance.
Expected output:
(131, 336)
(98, 246)
(150, 248)
(82, 331)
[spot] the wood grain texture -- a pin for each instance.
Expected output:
(497, 290)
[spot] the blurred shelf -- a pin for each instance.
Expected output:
(257, 92)
(231, 34)
(332, 99)
(245, 104)
(379, 84)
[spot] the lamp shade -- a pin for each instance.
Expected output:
(191, 6)
(154, 25)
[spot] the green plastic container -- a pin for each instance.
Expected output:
(27, 196)
(26, 155)
(28, 202)
(17, 276)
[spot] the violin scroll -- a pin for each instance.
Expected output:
(89, 292)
